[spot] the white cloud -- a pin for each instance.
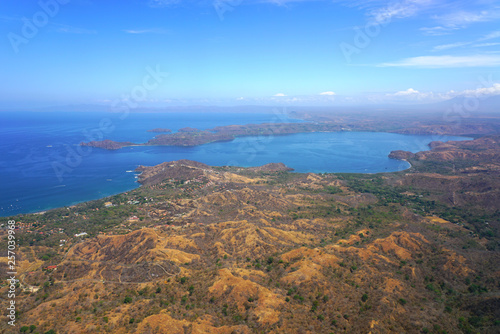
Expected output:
(437, 31)
(279, 95)
(413, 95)
(384, 11)
(147, 31)
(447, 61)
(409, 91)
(464, 18)
(460, 19)
(493, 90)
(404, 97)
(450, 46)
(401, 9)
(327, 93)
(491, 35)
(480, 45)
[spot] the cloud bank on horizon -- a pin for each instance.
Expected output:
(234, 52)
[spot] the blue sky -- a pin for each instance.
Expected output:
(236, 52)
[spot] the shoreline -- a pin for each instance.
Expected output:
(43, 211)
(192, 137)
(37, 211)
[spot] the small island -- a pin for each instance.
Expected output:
(107, 144)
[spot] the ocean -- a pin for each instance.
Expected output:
(43, 167)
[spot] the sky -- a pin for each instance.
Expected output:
(246, 52)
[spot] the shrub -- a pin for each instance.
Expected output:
(299, 298)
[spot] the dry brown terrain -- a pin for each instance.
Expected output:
(261, 250)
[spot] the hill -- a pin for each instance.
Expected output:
(202, 249)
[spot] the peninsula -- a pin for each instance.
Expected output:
(226, 249)
(194, 137)
(318, 122)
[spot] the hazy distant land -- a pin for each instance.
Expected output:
(316, 122)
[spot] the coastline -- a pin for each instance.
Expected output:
(138, 185)
(49, 207)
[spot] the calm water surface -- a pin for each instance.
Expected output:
(43, 167)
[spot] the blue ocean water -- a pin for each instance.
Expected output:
(42, 166)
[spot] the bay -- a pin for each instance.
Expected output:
(42, 166)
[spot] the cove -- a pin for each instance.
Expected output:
(103, 173)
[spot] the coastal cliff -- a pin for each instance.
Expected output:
(401, 155)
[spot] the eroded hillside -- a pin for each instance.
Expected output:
(200, 249)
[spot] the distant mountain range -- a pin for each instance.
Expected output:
(470, 104)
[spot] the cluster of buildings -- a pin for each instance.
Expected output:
(33, 227)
